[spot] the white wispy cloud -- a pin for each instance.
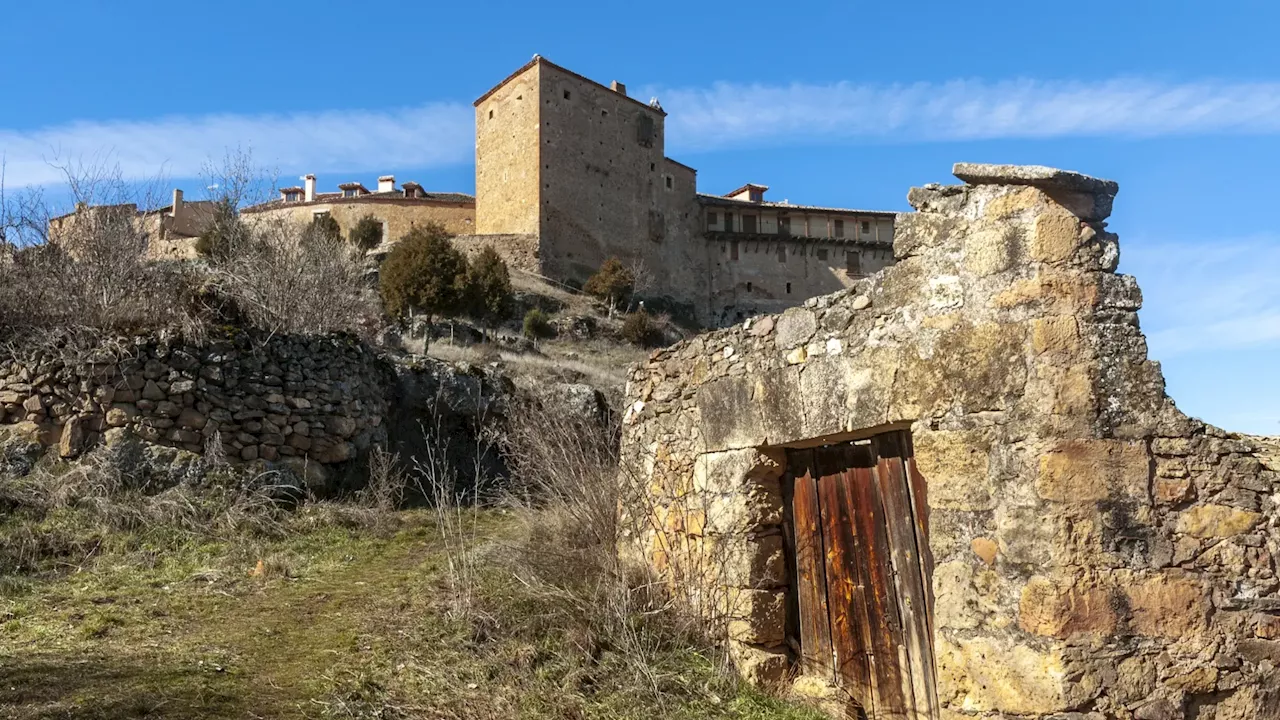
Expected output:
(730, 114)
(429, 136)
(714, 117)
(1208, 296)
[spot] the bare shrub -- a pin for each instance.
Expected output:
(59, 515)
(585, 526)
(91, 271)
(456, 495)
(290, 278)
(384, 490)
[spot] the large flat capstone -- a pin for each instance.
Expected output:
(1036, 175)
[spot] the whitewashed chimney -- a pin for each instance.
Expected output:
(387, 183)
(309, 187)
(618, 87)
(177, 202)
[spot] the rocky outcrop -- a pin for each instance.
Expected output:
(1098, 553)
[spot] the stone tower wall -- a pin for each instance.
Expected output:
(1098, 553)
(508, 148)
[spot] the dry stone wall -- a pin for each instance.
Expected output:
(1098, 553)
(271, 398)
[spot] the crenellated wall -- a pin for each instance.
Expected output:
(1096, 553)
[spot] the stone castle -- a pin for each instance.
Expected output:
(570, 172)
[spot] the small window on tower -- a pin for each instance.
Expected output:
(490, 114)
(866, 227)
(669, 182)
(566, 94)
(788, 288)
(748, 287)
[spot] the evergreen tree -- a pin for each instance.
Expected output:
(489, 287)
(612, 283)
(367, 234)
(424, 272)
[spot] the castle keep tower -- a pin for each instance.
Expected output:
(581, 166)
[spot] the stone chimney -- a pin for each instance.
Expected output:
(177, 202)
(387, 183)
(618, 87)
(309, 187)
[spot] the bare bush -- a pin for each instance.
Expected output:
(455, 494)
(288, 278)
(586, 525)
(91, 271)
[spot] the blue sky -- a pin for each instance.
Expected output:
(839, 103)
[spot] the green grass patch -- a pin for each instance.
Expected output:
(330, 620)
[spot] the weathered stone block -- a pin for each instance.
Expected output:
(1216, 521)
(1083, 471)
(757, 617)
(74, 437)
(989, 675)
(956, 465)
(794, 327)
(1168, 606)
(780, 401)
(761, 666)
(991, 250)
(1056, 334)
(1055, 237)
(730, 418)
(1051, 609)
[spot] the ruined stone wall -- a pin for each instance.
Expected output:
(1098, 553)
(747, 277)
(508, 152)
(318, 398)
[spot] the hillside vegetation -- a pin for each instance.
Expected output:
(149, 581)
(136, 586)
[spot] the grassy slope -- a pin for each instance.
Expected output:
(339, 623)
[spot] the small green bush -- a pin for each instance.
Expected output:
(223, 234)
(613, 283)
(639, 328)
(489, 288)
(367, 234)
(325, 227)
(537, 325)
(424, 272)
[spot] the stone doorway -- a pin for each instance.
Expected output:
(861, 605)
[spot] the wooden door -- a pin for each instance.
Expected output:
(863, 572)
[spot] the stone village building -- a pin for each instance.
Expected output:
(170, 232)
(957, 489)
(572, 173)
(397, 209)
(569, 173)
